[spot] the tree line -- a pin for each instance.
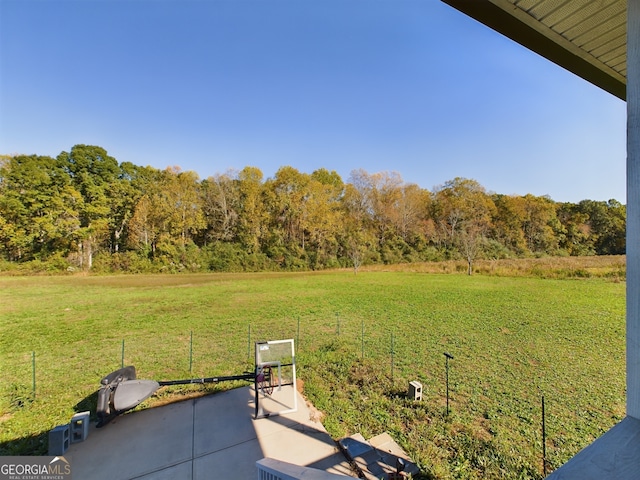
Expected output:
(85, 210)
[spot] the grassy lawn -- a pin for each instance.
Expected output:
(513, 338)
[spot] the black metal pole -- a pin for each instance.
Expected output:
(33, 372)
(255, 389)
(447, 369)
(392, 356)
(446, 362)
(544, 441)
(191, 354)
(246, 376)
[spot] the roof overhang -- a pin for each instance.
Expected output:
(586, 37)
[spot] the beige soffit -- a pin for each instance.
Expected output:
(587, 37)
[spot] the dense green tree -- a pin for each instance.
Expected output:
(507, 223)
(288, 195)
(463, 211)
(93, 174)
(253, 216)
(37, 206)
(607, 225)
(329, 178)
(148, 218)
(181, 199)
(540, 224)
(123, 197)
(576, 237)
(323, 217)
(84, 204)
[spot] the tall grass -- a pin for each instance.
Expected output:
(604, 266)
(513, 339)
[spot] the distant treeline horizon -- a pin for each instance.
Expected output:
(84, 210)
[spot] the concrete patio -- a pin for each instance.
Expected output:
(209, 437)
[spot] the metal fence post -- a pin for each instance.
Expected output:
(363, 338)
(33, 365)
(392, 355)
(544, 441)
(447, 357)
(191, 354)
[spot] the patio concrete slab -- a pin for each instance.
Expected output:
(235, 462)
(210, 437)
(182, 470)
(221, 421)
(136, 444)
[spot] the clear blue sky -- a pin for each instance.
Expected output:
(411, 86)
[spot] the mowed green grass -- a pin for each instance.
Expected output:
(513, 341)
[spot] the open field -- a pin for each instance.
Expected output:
(514, 339)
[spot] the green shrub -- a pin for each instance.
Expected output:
(493, 250)
(224, 257)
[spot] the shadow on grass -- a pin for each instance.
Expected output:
(35, 444)
(88, 404)
(38, 443)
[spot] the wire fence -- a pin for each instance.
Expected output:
(29, 375)
(402, 352)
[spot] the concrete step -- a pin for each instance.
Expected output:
(378, 457)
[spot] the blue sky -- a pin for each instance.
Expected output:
(411, 86)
